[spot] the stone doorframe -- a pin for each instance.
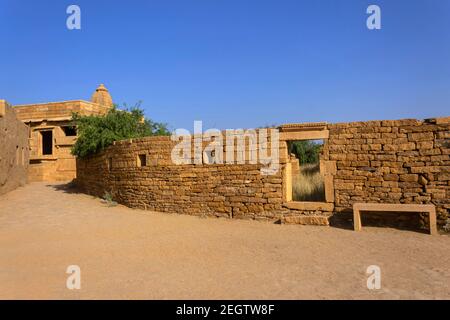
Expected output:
(36, 136)
(306, 131)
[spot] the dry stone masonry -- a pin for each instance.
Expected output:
(14, 152)
(223, 190)
(399, 161)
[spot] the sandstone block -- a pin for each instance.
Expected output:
(307, 220)
(421, 136)
(422, 180)
(409, 177)
(344, 186)
(391, 177)
(425, 145)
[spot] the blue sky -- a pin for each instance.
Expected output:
(233, 63)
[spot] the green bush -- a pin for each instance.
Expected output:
(108, 199)
(307, 151)
(97, 132)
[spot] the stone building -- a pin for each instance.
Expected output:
(52, 134)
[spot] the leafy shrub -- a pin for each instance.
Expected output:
(109, 200)
(97, 132)
(307, 151)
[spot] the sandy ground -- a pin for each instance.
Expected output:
(134, 254)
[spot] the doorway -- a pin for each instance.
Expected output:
(47, 142)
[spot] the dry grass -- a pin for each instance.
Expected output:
(308, 185)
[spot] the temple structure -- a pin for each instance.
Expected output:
(52, 134)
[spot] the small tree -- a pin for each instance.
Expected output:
(307, 151)
(97, 132)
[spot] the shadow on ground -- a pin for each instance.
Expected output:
(394, 220)
(342, 220)
(66, 187)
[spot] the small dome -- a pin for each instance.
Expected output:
(102, 96)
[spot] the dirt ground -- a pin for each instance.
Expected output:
(134, 254)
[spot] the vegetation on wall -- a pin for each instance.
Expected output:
(97, 132)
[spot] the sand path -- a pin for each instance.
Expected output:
(126, 253)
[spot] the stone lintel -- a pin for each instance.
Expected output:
(308, 126)
(304, 135)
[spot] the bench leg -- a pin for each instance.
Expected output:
(433, 223)
(356, 219)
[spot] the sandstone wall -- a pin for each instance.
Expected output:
(234, 191)
(238, 191)
(14, 152)
(403, 161)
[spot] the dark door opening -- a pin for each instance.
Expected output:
(142, 160)
(47, 142)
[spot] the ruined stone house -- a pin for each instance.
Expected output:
(52, 134)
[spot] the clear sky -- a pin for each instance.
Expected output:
(233, 63)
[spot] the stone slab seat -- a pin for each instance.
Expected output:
(394, 207)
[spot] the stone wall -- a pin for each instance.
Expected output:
(14, 152)
(404, 161)
(234, 191)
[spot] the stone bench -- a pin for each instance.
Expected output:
(392, 207)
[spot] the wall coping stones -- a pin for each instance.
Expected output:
(303, 126)
(441, 120)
